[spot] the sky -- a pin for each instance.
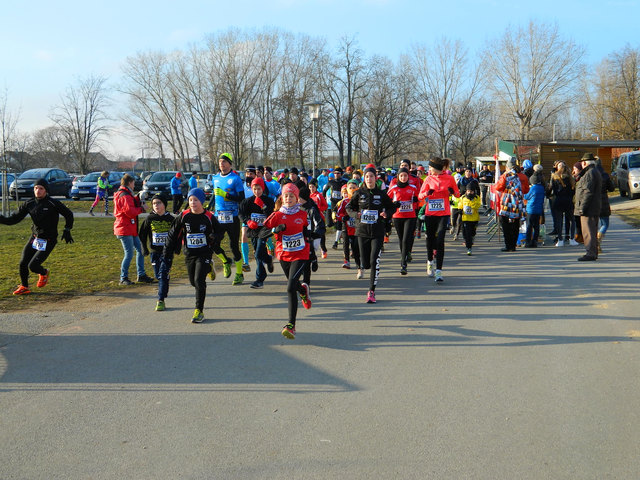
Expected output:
(48, 46)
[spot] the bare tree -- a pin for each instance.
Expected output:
(49, 147)
(532, 73)
(82, 118)
(474, 125)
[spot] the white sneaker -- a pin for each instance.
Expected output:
(429, 269)
(439, 276)
(359, 274)
(573, 243)
(560, 243)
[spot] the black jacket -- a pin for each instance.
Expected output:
(248, 210)
(44, 213)
(588, 193)
(370, 200)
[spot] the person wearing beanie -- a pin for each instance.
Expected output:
(405, 197)
(45, 212)
(102, 193)
(250, 174)
(193, 180)
(321, 203)
(197, 233)
(534, 207)
(228, 192)
(176, 192)
(253, 211)
(470, 205)
(436, 190)
(335, 185)
(370, 207)
(350, 243)
(316, 227)
(562, 188)
(289, 224)
(272, 186)
(512, 186)
(153, 233)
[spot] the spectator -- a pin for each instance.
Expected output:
(588, 204)
(535, 207)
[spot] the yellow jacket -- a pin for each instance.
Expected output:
(470, 208)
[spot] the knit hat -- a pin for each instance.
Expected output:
(43, 183)
(370, 169)
(294, 170)
(291, 188)
(226, 156)
(258, 181)
(510, 164)
(403, 170)
(198, 193)
(178, 174)
(537, 167)
(161, 198)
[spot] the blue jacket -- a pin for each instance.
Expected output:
(535, 199)
(176, 188)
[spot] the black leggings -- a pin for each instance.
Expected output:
(293, 271)
(511, 230)
(233, 230)
(436, 231)
(468, 232)
(405, 228)
(370, 249)
(350, 243)
(177, 202)
(32, 259)
(198, 268)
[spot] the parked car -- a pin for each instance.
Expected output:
(159, 182)
(59, 182)
(10, 178)
(628, 174)
(86, 187)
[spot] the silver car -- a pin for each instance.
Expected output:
(628, 174)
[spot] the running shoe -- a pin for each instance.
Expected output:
(246, 267)
(418, 234)
(256, 284)
(324, 254)
(359, 275)
(144, 279)
(386, 239)
(573, 243)
(560, 243)
(305, 297)
(198, 316)
(346, 265)
(226, 269)
(289, 331)
(439, 276)
(21, 290)
(429, 269)
(212, 273)
(42, 280)
(238, 279)
(335, 245)
(125, 281)
(403, 270)
(314, 266)
(468, 251)
(91, 213)
(160, 306)
(269, 263)
(409, 257)
(371, 297)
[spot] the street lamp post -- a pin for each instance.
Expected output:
(314, 114)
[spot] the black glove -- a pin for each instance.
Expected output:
(430, 192)
(279, 228)
(145, 251)
(66, 236)
(450, 190)
(397, 204)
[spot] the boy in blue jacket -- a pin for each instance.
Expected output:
(535, 207)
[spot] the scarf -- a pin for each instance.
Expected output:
(290, 210)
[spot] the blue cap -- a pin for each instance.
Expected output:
(198, 193)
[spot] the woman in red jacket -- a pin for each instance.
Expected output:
(405, 197)
(126, 208)
(289, 225)
(436, 189)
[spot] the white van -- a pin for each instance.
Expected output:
(628, 173)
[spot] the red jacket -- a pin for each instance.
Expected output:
(321, 202)
(341, 214)
(291, 244)
(126, 209)
(438, 201)
(408, 198)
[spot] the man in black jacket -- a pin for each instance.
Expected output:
(587, 205)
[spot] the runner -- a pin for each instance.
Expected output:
(228, 190)
(289, 224)
(316, 227)
(436, 189)
(44, 212)
(198, 232)
(470, 204)
(154, 230)
(249, 174)
(350, 239)
(321, 202)
(102, 192)
(370, 206)
(253, 211)
(335, 185)
(405, 198)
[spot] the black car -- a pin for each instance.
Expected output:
(159, 182)
(59, 182)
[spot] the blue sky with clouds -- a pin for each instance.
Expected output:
(47, 45)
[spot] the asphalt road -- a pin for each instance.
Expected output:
(519, 365)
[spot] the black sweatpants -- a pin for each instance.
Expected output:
(511, 230)
(198, 268)
(350, 245)
(233, 231)
(370, 249)
(33, 259)
(177, 203)
(436, 231)
(468, 232)
(293, 271)
(405, 228)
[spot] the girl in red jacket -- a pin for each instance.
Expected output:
(436, 189)
(289, 225)
(405, 197)
(322, 204)
(350, 240)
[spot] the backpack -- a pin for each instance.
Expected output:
(512, 201)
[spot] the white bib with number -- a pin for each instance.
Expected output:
(225, 216)
(40, 244)
(436, 205)
(259, 218)
(369, 217)
(159, 239)
(467, 210)
(406, 206)
(336, 195)
(196, 240)
(293, 243)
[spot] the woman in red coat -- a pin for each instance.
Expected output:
(126, 208)
(405, 197)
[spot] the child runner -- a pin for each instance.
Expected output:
(289, 224)
(102, 192)
(316, 226)
(470, 204)
(198, 232)
(405, 198)
(370, 206)
(154, 230)
(350, 239)
(436, 189)
(322, 204)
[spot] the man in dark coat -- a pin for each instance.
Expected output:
(588, 202)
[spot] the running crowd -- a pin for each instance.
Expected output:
(286, 218)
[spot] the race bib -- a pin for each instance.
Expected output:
(406, 206)
(259, 218)
(467, 210)
(159, 239)
(369, 217)
(336, 195)
(196, 240)
(39, 244)
(293, 243)
(351, 222)
(436, 205)
(225, 216)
